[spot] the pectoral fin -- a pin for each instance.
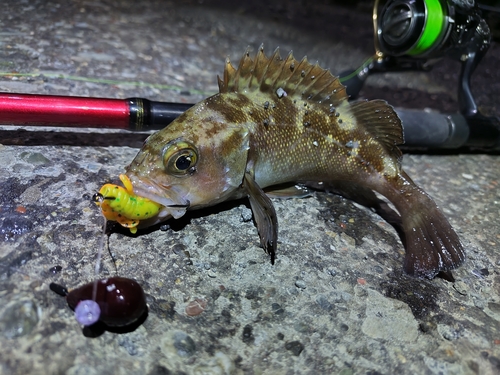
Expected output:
(288, 191)
(264, 215)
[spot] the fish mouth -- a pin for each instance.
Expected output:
(174, 203)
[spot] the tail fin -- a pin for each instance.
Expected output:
(431, 243)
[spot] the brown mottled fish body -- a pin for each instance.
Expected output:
(277, 121)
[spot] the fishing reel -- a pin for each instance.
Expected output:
(414, 35)
(430, 28)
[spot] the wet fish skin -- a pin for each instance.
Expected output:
(277, 121)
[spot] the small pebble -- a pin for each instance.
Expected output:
(179, 249)
(246, 214)
(247, 336)
(300, 284)
(361, 281)
(196, 307)
(323, 302)
(448, 332)
(35, 158)
(484, 271)
(460, 287)
(479, 302)
(92, 167)
(128, 344)
(184, 344)
(495, 307)
(19, 319)
(295, 347)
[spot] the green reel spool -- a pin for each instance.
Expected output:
(412, 27)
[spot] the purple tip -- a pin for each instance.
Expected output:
(87, 312)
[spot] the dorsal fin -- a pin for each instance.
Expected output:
(302, 80)
(382, 122)
(299, 79)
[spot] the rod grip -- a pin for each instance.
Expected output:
(431, 129)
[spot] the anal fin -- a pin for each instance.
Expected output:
(264, 215)
(365, 197)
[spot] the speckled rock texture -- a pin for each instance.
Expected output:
(336, 300)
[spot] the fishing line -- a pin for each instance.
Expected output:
(97, 267)
(110, 82)
(363, 66)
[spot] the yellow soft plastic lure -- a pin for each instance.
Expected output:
(123, 206)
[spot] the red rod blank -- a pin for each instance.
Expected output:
(49, 110)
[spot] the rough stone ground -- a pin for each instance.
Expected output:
(336, 301)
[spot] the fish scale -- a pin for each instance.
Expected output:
(312, 138)
(282, 121)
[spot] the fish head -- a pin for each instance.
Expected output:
(196, 161)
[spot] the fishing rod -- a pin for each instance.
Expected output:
(135, 114)
(409, 35)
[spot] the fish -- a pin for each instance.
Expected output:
(278, 122)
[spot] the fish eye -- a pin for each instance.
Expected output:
(183, 162)
(180, 158)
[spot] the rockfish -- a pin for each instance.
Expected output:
(282, 121)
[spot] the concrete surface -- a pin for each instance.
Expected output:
(336, 301)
